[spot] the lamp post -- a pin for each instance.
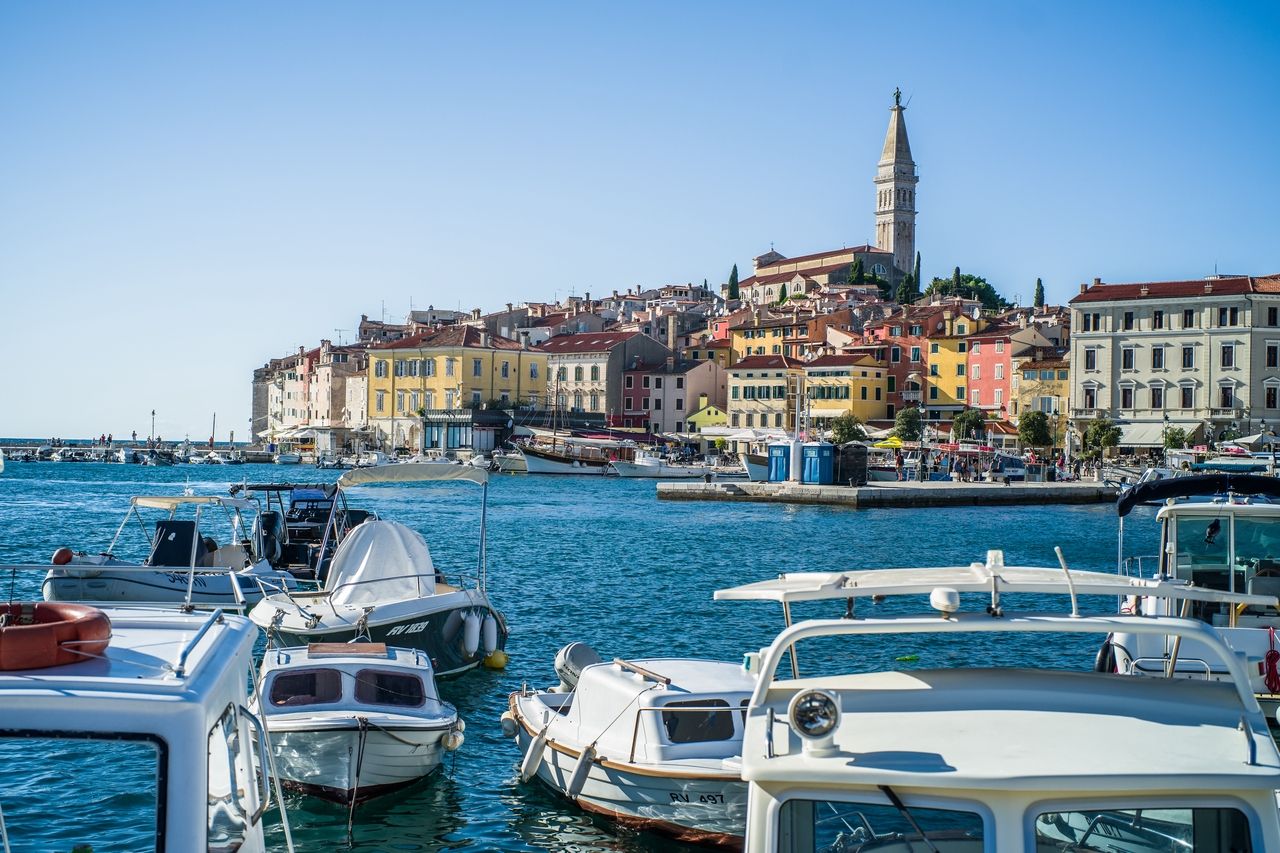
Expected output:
(1164, 435)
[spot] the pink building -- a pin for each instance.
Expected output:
(660, 397)
(990, 369)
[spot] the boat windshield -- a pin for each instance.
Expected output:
(823, 826)
(1144, 830)
(1227, 551)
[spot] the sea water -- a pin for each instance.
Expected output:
(587, 558)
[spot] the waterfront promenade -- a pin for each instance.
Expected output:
(893, 494)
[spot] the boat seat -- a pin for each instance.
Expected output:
(1264, 586)
(173, 542)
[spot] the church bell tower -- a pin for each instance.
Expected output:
(896, 182)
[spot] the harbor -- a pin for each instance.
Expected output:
(895, 495)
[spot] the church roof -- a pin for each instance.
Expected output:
(896, 144)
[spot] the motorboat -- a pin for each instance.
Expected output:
(650, 465)
(575, 456)
(301, 524)
(383, 585)
(349, 722)
(934, 757)
(184, 564)
(510, 461)
(757, 465)
(655, 744)
(157, 459)
(157, 702)
(286, 457)
(1218, 532)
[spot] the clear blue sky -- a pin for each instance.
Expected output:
(189, 189)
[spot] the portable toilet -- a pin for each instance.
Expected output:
(779, 462)
(819, 463)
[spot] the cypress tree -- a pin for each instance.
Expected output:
(782, 294)
(733, 282)
(915, 275)
(856, 275)
(1039, 299)
(955, 282)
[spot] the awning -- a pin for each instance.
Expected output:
(1152, 434)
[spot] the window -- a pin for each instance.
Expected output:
(644, 401)
(977, 347)
(399, 401)
(915, 354)
(959, 370)
(533, 370)
(1225, 396)
(380, 401)
(1273, 316)
(414, 400)
(657, 403)
(999, 371)
(577, 373)
(413, 367)
(777, 419)
(933, 370)
(933, 392)
(232, 787)
(475, 396)
(1188, 397)
(962, 329)
(1157, 397)
(1269, 393)
(999, 397)
(751, 419)
(933, 348)
(399, 368)
(380, 369)
(306, 687)
(679, 382)
(1228, 355)
(895, 354)
(595, 373)
(679, 405)
(960, 390)
(1188, 318)
(628, 402)
(733, 392)
(1091, 398)
(577, 401)
(595, 402)
(917, 331)
(1126, 358)
(976, 373)
(999, 346)
(628, 381)
(1179, 829)
(449, 366)
(657, 382)
(975, 398)
(1091, 359)
(506, 369)
(962, 347)
(1157, 358)
(1188, 357)
(1157, 319)
(817, 825)
(1126, 397)
(1128, 321)
(378, 687)
(645, 381)
(896, 331)
(734, 419)
(1273, 355)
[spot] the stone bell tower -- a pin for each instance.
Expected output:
(896, 182)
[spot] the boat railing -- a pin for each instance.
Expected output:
(666, 709)
(180, 668)
(1139, 566)
(1164, 665)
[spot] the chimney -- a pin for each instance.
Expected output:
(484, 338)
(615, 294)
(524, 339)
(1208, 287)
(702, 402)
(475, 313)
(671, 332)
(586, 297)
(671, 364)
(1083, 287)
(1144, 290)
(508, 307)
(1097, 281)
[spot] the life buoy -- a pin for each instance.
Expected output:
(46, 633)
(62, 556)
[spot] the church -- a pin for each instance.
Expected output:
(891, 258)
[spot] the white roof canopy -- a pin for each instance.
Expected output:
(412, 472)
(172, 502)
(380, 562)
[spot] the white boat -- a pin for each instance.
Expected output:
(655, 744)
(510, 462)
(757, 465)
(156, 702)
(184, 565)
(653, 466)
(934, 757)
(352, 721)
(285, 457)
(383, 585)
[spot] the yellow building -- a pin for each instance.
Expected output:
(1043, 385)
(767, 335)
(450, 369)
(762, 392)
(705, 416)
(947, 360)
(719, 351)
(838, 385)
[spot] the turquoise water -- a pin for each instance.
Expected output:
(573, 558)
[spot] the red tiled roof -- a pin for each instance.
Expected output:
(450, 336)
(1228, 286)
(842, 361)
(585, 342)
(767, 362)
(718, 343)
(774, 278)
(865, 249)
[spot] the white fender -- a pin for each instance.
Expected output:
(471, 634)
(533, 756)
(452, 741)
(580, 773)
(509, 724)
(489, 632)
(451, 626)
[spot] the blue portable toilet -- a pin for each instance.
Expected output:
(780, 462)
(819, 463)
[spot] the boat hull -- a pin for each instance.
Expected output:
(96, 583)
(696, 808)
(757, 467)
(511, 463)
(346, 765)
(660, 471)
(541, 462)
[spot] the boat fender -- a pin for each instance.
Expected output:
(580, 773)
(471, 634)
(62, 556)
(1105, 661)
(509, 724)
(489, 633)
(461, 726)
(497, 659)
(451, 626)
(452, 741)
(533, 756)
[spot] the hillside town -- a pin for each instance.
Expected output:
(800, 342)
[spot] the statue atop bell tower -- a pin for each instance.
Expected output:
(896, 182)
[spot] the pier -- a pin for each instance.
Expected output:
(892, 494)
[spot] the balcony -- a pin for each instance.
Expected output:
(911, 396)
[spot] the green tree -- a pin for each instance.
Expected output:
(1033, 430)
(857, 275)
(782, 294)
(956, 281)
(906, 425)
(1039, 297)
(915, 276)
(846, 428)
(968, 424)
(906, 290)
(1100, 434)
(733, 283)
(1175, 438)
(971, 286)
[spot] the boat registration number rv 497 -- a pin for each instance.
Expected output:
(679, 797)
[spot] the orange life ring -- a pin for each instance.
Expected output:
(46, 633)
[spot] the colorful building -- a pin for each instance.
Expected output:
(660, 398)
(585, 371)
(838, 385)
(764, 391)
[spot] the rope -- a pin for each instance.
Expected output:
(355, 790)
(1271, 667)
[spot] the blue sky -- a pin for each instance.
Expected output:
(189, 190)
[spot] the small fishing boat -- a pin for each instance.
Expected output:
(653, 466)
(286, 457)
(184, 564)
(349, 722)
(655, 744)
(382, 584)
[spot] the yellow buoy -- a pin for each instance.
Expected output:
(496, 659)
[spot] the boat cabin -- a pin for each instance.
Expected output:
(161, 714)
(358, 676)
(1230, 543)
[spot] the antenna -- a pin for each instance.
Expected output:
(340, 331)
(909, 97)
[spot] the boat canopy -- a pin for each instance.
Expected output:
(992, 577)
(172, 502)
(1207, 484)
(380, 562)
(412, 472)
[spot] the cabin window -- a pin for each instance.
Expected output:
(808, 826)
(379, 687)
(306, 687)
(133, 788)
(698, 723)
(1149, 829)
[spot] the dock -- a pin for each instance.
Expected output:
(878, 495)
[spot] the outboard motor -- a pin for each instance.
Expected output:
(273, 533)
(570, 662)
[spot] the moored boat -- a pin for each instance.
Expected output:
(652, 466)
